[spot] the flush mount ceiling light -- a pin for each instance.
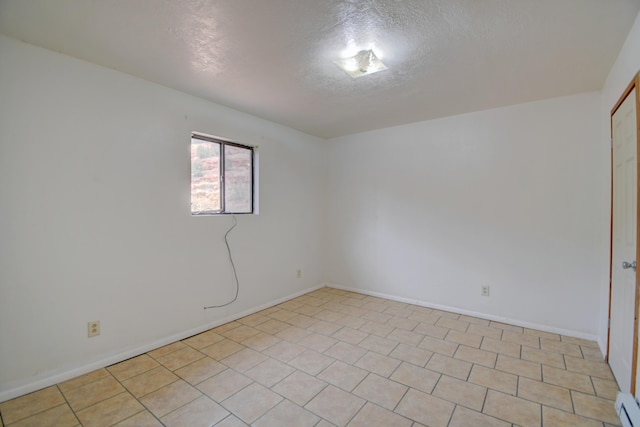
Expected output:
(361, 64)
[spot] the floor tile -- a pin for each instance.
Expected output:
(170, 398)
(411, 354)
(59, 416)
(254, 319)
(554, 346)
(261, 341)
(458, 325)
(373, 415)
(485, 331)
(381, 391)
(226, 327)
(556, 418)
(149, 381)
(376, 328)
(522, 339)
(594, 368)
(287, 414)
(317, 342)
(302, 321)
(447, 314)
(200, 370)
(335, 405)
(519, 367)
(513, 409)
(110, 411)
(328, 316)
(222, 349)
(244, 360)
(375, 306)
(83, 379)
(591, 353)
(594, 407)
(350, 335)
(342, 375)
(546, 394)
(474, 320)
(269, 372)
(350, 358)
(132, 367)
(273, 326)
(232, 421)
(377, 363)
(346, 352)
(179, 358)
(203, 340)
(501, 347)
(567, 379)
(506, 327)
(311, 362)
(351, 321)
(427, 319)
(92, 393)
(400, 313)
(436, 345)
(605, 388)
(325, 328)
(284, 351)
(406, 337)
(470, 340)
(425, 409)
(31, 404)
(282, 315)
(141, 419)
(477, 356)
(252, 402)
(300, 387)
(496, 380)
(378, 344)
(293, 334)
(223, 385)
(543, 357)
(170, 348)
(449, 366)
(416, 377)
(461, 392)
(541, 334)
(202, 412)
(463, 417)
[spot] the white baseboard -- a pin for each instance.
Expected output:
(49, 378)
(510, 321)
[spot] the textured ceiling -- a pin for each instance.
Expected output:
(274, 58)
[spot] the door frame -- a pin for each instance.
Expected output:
(635, 84)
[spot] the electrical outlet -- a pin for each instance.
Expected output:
(93, 328)
(299, 273)
(484, 291)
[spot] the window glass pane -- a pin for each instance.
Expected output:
(238, 170)
(205, 176)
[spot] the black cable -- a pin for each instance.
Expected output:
(235, 273)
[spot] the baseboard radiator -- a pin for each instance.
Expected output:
(628, 410)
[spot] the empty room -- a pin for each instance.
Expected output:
(319, 213)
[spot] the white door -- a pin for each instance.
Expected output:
(623, 276)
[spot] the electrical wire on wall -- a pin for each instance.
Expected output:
(233, 266)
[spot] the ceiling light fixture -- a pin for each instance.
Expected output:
(362, 63)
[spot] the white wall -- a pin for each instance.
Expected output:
(624, 69)
(95, 222)
(508, 198)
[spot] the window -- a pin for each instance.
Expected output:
(221, 176)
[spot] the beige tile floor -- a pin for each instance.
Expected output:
(339, 358)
